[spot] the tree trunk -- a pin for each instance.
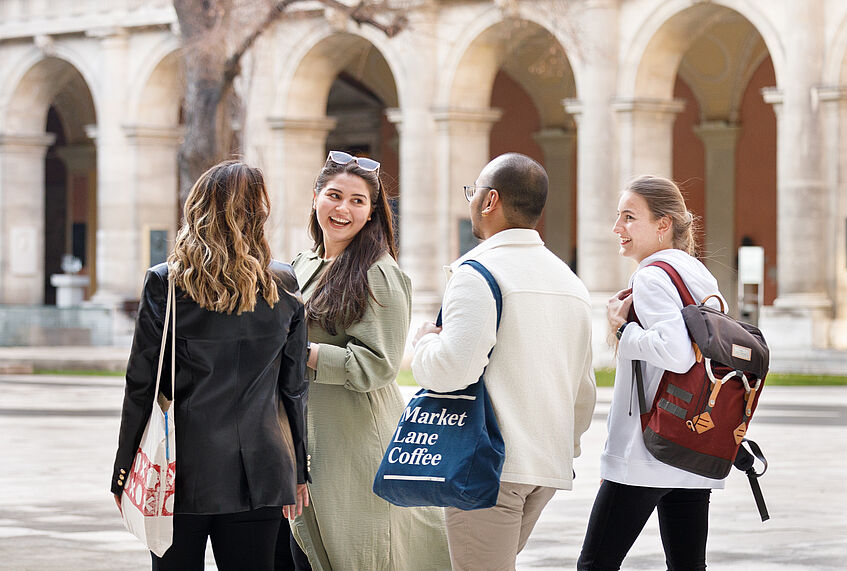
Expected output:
(201, 148)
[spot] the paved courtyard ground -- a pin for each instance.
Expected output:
(59, 436)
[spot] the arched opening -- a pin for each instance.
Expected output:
(515, 75)
(50, 163)
(154, 139)
(709, 64)
(339, 97)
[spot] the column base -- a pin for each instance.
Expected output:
(797, 322)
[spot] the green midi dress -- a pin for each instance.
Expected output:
(354, 406)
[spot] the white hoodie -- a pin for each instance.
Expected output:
(663, 344)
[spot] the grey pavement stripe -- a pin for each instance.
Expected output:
(58, 412)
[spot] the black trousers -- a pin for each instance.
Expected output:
(240, 541)
(289, 556)
(620, 512)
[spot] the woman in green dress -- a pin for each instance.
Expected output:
(358, 305)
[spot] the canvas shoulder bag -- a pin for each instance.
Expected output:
(447, 449)
(147, 502)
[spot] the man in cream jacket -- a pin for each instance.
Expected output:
(539, 378)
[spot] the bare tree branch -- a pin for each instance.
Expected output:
(363, 13)
(233, 62)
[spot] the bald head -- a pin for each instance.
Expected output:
(522, 185)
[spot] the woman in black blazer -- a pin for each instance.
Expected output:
(240, 378)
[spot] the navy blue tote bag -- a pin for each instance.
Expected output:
(447, 449)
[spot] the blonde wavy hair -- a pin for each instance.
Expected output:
(221, 257)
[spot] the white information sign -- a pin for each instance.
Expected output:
(751, 265)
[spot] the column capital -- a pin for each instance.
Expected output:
(655, 106)
(830, 93)
(773, 96)
(153, 134)
(394, 115)
(718, 134)
(553, 138)
(573, 106)
(79, 156)
(315, 125)
(32, 142)
(469, 120)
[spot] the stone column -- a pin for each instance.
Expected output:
(153, 158)
(719, 139)
(424, 210)
(22, 216)
(558, 145)
(119, 276)
(646, 127)
(421, 168)
(802, 313)
(463, 144)
(597, 262)
(597, 155)
(299, 153)
(833, 100)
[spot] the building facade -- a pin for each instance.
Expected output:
(744, 102)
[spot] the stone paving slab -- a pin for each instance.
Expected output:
(59, 437)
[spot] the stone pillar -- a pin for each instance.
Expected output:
(833, 101)
(153, 154)
(421, 169)
(597, 154)
(597, 260)
(22, 216)
(119, 277)
(646, 127)
(802, 313)
(719, 139)
(463, 144)
(424, 210)
(299, 154)
(558, 145)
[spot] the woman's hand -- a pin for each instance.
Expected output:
(302, 499)
(425, 329)
(118, 501)
(617, 308)
(312, 361)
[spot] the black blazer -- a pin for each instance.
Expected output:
(240, 397)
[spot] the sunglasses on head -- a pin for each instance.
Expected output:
(342, 158)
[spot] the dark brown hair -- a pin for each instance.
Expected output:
(665, 199)
(221, 257)
(341, 294)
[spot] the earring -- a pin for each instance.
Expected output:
(660, 238)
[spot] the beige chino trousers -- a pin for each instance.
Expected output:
(490, 539)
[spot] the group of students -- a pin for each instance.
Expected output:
(285, 376)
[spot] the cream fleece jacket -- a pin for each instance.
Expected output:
(539, 378)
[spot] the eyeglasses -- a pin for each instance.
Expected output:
(342, 158)
(470, 190)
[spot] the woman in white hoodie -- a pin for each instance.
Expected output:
(653, 224)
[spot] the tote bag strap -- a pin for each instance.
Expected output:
(170, 307)
(492, 284)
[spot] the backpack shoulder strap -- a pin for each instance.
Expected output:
(492, 284)
(684, 294)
